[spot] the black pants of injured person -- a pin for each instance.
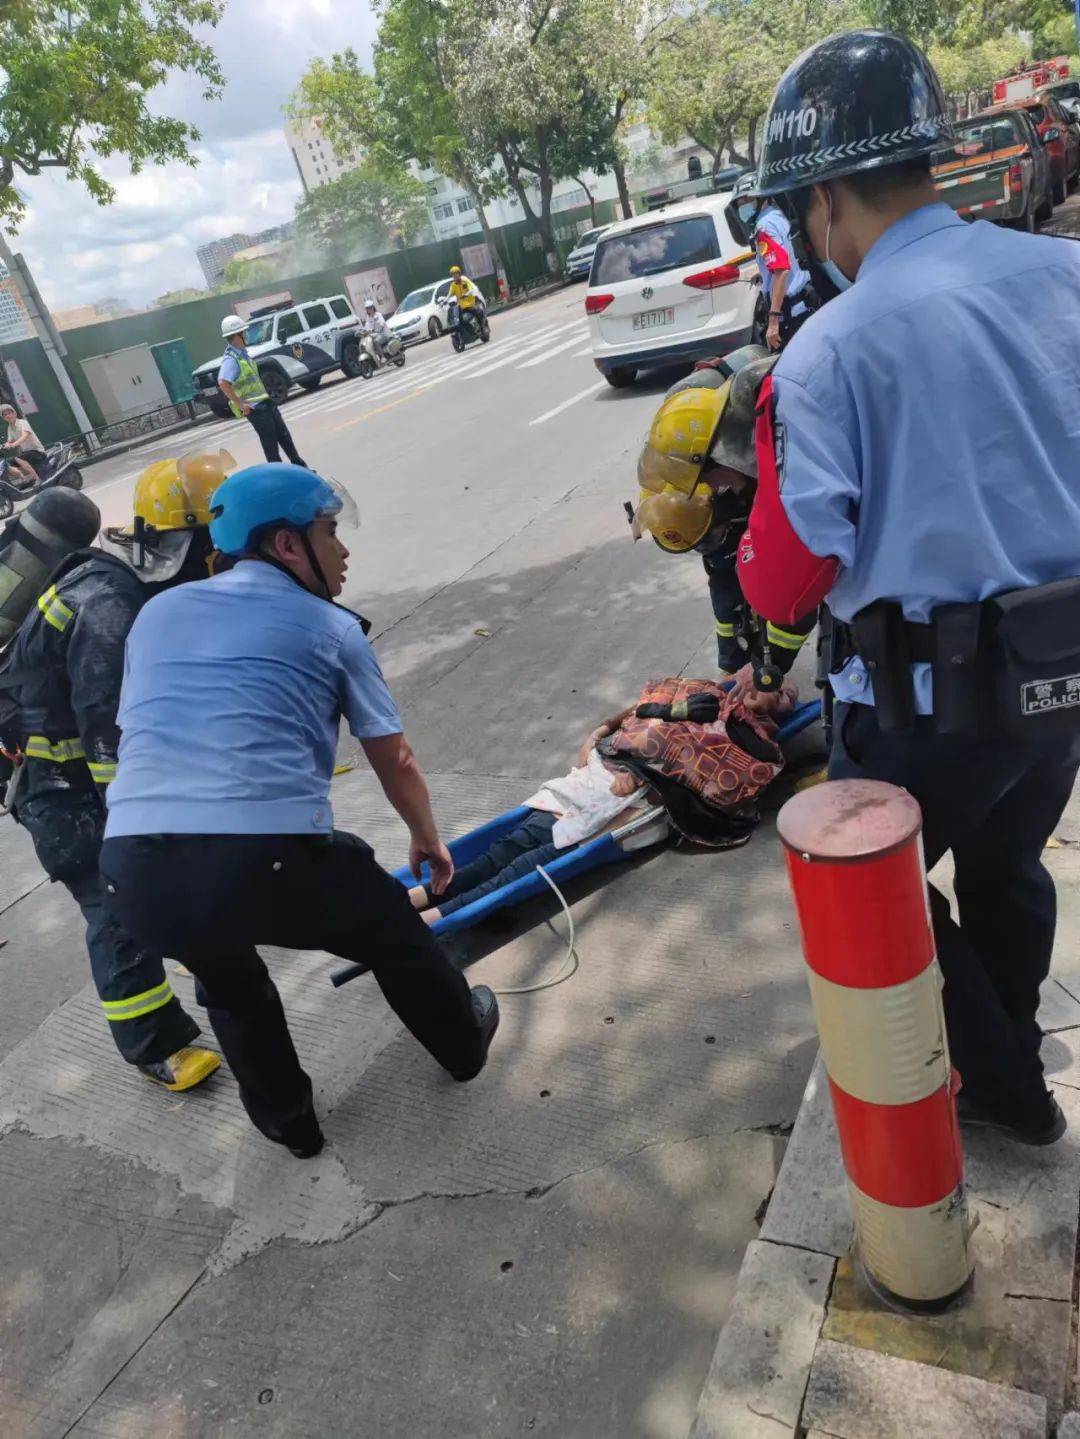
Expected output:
(209, 900)
(994, 804)
(145, 1018)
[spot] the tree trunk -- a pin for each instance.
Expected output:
(489, 236)
(547, 184)
(591, 198)
(751, 140)
(541, 223)
(619, 171)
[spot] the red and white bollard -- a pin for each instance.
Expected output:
(854, 856)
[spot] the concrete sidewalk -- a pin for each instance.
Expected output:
(550, 1250)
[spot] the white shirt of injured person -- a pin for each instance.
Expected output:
(583, 800)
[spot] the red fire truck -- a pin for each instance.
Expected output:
(1024, 84)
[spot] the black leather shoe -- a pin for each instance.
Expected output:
(309, 1147)
(486, 1008)
(1045, 1127)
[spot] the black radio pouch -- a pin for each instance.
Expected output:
(1036, 659)
(881, 640)
(962, 688)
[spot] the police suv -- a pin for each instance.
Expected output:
(295, 345)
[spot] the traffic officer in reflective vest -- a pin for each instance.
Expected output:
(917, 454)
(239, 381)
(69, 658)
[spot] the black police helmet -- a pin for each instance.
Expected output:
(857, 101)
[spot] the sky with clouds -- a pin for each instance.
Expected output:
(144, 244)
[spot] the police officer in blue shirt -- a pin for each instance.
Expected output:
(220, 834)
(789, 294)
(918, 444)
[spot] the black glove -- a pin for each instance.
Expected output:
(695, 709)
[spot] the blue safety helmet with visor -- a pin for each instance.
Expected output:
(267, 497)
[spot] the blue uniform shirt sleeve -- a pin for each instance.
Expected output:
(230, 369)
(819, 474)
(366, 702)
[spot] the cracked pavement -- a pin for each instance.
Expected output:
(549, 1250)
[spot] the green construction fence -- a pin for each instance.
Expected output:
(198, 322)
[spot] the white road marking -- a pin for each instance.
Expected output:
(434, 364)
(581, 354)
(441, 365)
(550, 414)
(546, 355)
(523, 349)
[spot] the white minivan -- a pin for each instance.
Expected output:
(669, 287)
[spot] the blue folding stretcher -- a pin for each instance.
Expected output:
(617, 845)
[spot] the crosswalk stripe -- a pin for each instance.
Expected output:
(435, 363)
(527, 348)
(546, 355)
(419, 374)
(447, 369)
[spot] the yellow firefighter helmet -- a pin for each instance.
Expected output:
(705, 420)
(679, 438)
(677, 522)
(175, 494)
(171, 502)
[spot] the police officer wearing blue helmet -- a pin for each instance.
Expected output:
(220, 834)
(917, 466)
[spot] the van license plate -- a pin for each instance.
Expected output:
(650, 319)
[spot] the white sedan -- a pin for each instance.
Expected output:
(422, 313)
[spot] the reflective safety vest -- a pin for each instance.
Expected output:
(248, 384)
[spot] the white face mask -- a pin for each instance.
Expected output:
(828, 264)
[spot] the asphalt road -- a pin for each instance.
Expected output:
(550, 1250)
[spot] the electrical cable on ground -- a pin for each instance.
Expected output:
(562, 974)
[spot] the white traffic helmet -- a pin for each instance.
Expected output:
(232, 325)
(369, 304)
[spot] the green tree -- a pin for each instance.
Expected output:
(715, 70)
(408, 109)
(74, 83)
(369, 206)
(972, 69)
(528, 98)
(616, 43)
(180, 297)
(254, 270)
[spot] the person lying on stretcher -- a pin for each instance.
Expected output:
(594, 797)
(597, 795)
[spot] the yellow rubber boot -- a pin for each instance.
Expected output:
(183, 1070)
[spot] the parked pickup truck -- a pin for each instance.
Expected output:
(294, 345)
(996, 170)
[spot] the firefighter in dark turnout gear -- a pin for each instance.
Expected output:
(69, 661)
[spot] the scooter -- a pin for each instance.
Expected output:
(57, 468)
(467, 326)
(371, 359)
